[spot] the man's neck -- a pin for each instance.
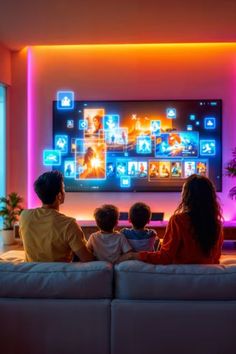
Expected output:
(51, 206)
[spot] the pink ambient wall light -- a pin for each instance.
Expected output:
(194, 72)
(30, 128)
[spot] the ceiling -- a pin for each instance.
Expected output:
(45, 22)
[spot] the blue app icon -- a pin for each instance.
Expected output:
(209, 123)
(192, 117)
(171, 113)
(189, 127)
(70, 123)
(51, 157)
(125, 182)
(111, 121)
(65, 100)
(83, 124)
(143, 145)
(207, 147)
(61, 143)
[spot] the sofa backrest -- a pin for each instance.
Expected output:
(137, 280)
(92, 280)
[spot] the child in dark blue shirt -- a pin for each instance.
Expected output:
(140, 237)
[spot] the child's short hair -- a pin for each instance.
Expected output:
(139, 215)
(106, 217)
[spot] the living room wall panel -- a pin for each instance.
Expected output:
(110, 72)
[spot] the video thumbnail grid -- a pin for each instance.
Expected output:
(100, 148)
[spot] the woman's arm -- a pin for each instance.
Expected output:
(169, 247)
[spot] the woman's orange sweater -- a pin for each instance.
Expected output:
(180, 247)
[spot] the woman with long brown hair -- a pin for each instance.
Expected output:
(194, 233)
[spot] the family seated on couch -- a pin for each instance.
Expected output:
(193, 235)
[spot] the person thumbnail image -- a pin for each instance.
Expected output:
(176, 169)
(111, 121)
(144, 145)
(121, 168)
(153, 171)
(111, 170)
(164, 169)
(201, 168)
(93, 118)
(69, 169)
(155, 127)
(116, 136)
(132, 168)
(189, 168)
(142, 169)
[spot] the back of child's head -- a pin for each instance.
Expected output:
(139, 215)
(106, 217)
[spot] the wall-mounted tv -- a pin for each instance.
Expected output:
(139, 146)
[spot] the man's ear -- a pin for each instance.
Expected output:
(59, 196)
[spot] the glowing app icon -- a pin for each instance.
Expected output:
(70, 123)
(111, 121)
(189, 127)
(209, 123)
(171, 113)
(207, 147)
(192, 117)
(65, 100)
(143, 145)
(83, 124)
(61, 143)
(125, 182)
(51, 157)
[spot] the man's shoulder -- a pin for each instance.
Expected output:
(51, 213)
(67, 221)
(27, 213)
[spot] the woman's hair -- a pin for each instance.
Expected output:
(199, 201)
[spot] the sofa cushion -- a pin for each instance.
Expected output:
(138, 280)
(92, 280)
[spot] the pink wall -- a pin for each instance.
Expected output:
(5, 65)
(124, 72)
(17, 126)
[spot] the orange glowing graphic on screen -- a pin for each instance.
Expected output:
(91, 163)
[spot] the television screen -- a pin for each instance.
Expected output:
(136, 145)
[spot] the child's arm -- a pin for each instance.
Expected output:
(157, 244)
(90, 243)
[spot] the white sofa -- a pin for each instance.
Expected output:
(133, 308)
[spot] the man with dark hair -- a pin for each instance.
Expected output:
(48, 235)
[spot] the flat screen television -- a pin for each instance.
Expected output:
(138, 146)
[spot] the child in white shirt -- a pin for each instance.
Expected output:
(107, 244)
